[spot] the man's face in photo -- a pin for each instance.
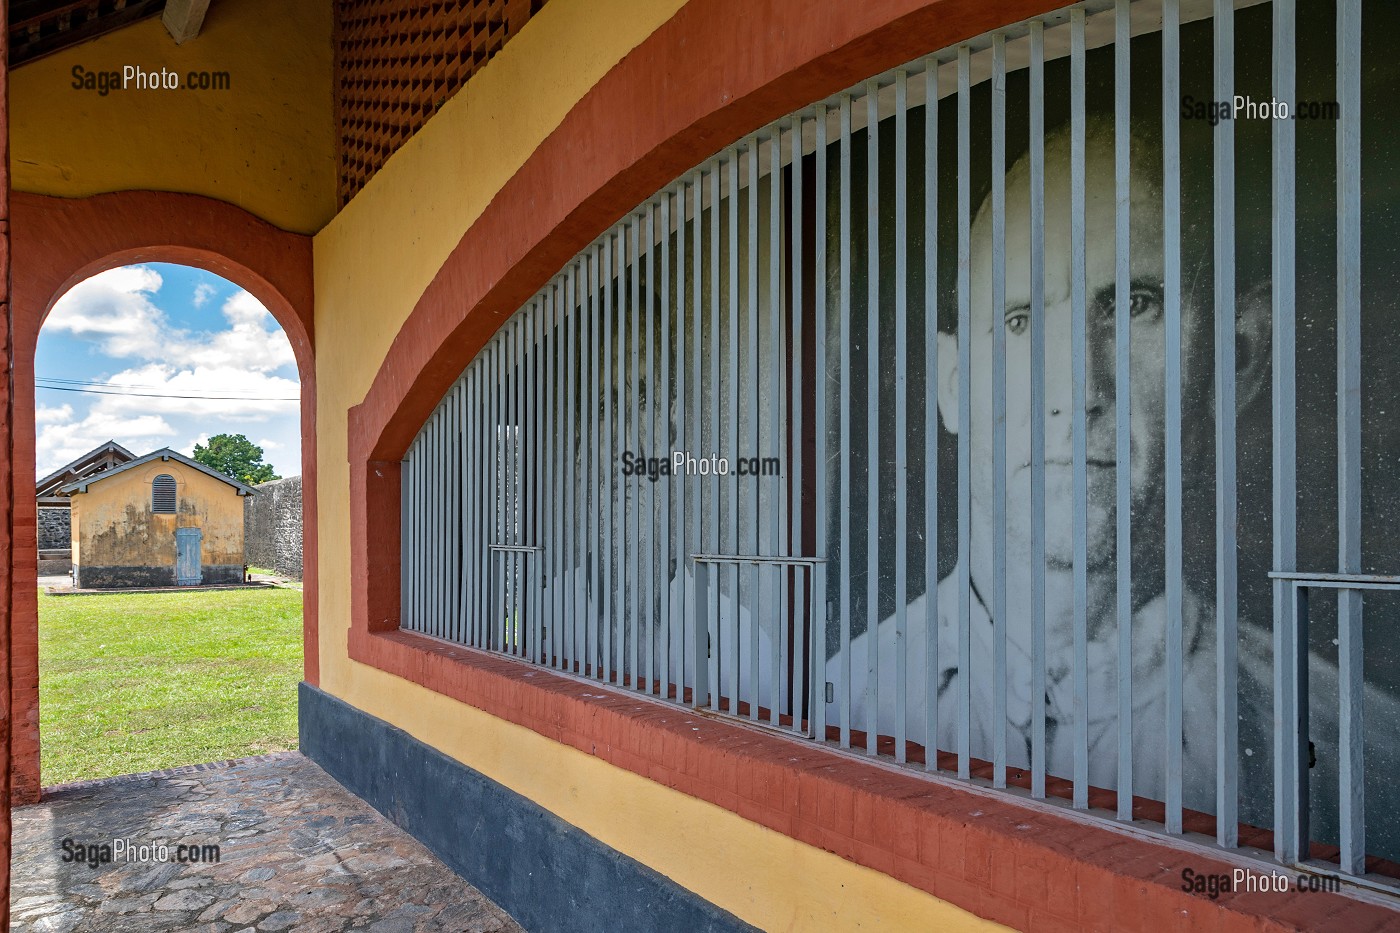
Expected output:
(1147, 355)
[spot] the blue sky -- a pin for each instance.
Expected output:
(163, 330)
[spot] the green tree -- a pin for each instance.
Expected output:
(234, 455)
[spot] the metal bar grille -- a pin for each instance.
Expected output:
(929, 419)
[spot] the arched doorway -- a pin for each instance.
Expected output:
(57, 243)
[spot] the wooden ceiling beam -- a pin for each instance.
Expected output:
(184, 18)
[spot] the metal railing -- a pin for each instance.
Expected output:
(1006, 321)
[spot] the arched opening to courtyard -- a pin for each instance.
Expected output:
(168, 456)
(100, 268)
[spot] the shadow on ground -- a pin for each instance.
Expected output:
(296, 852)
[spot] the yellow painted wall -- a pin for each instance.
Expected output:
(372, 262)
(267, 144)
(113, 526)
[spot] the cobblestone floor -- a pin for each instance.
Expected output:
(297, 853)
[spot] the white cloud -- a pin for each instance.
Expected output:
(253, 340)
(268, 444)
(238, 394)
(241, 362)
(62, 441)
(47, 413)
(114, 308)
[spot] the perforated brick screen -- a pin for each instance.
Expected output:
(398, 61)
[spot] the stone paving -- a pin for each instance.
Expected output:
(297, 852)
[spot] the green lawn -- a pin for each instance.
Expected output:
(142, 681)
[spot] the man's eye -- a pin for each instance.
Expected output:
(1017, 322)
(1145, 303)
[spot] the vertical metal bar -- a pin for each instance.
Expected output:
(668, 545)
(485, 504)
(821, 378)
(521, 450)
(506, 445)
(1037, 325)
(641, 535)
(777, 506)
(507, 433)
(626, 411)
(732, 384)
(418, 513)
(690, 436)
(544, 468)
(503, 446)
(1300, 828)
(496, 417)
(931, 617)
(901, 412)
(428, 537)
(1352, 685)
(701, 694)
(538, 413)
(559, 458)
(517, 514)
(1122, 398)
(634, 427)
(1078, 364)
(573, 427)
(605, 481)
(408, 496)
(454, 510)
(489, 503)
(999, 612)
(661, 421)
(796, 425)
(452, 516)
(408, 489)
(435, 527)
(525, 479)
(844, 355)
(872, 415)
(438, 433)
(477, 482)
(593, 551)
(1285, 408)
(965, 412)
(676, 484)
(648, 598)
(754, 382)
(1226, 505)
(1171, 294)
(698, 612)
(717, 659)
(648, 601)
(469, 481)
(529, 408)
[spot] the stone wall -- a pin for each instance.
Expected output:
(272, 527)
(54, 533)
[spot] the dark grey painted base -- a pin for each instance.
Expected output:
(97, 578)
(548, 874)
(221, 574)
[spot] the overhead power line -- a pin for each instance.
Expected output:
(211, 398)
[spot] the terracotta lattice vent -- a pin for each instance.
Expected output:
(399, 61)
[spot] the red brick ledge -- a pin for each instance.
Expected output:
(1012, 861)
